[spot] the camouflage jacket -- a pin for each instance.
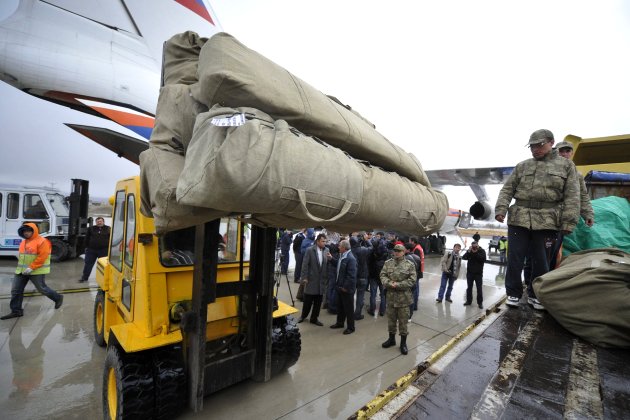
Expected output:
(586, 209)
(546, 192)
(403, 273)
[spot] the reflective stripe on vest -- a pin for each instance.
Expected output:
(25, 260)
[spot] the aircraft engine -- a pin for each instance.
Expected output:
(481, 210)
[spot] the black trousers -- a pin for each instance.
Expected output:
(522, 242)
(476, 278)
(314, 301)
(345, 308)
(91, 255)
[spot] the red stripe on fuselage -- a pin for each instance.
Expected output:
(198, 7)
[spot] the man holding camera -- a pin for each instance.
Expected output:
(476, 258)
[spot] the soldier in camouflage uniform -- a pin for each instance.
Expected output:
(547, 202)
(398, 277)
(565, 149)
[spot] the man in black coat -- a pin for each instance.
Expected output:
(361, 253)
(476, 257)
(346, 283)
(96, 243)
(297, 253)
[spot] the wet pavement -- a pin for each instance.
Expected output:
(50, 366)
(526, 365)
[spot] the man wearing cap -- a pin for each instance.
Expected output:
(398, 277)
(547, 201)
(565, 149)
(33, 265)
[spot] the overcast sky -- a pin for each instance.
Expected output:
(457, 83)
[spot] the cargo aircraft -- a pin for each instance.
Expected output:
(104, 58)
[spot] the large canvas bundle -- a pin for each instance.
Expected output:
(232, 75)
(283, 177)
(159, 170)
(589, 295)
(175, 116)
(181, 55)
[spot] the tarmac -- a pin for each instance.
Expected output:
(50, 366)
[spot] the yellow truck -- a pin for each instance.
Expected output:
(154, 294)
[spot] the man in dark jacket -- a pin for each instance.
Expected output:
(96, 243)
(476, 257)
(297, 253)
(285, 244)
(315, 265)
(346, 283)
(361, 254)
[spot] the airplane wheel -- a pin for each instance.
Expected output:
(99, 318)
(170, 381)
(59, 250)
(128, 388)
(286, 344)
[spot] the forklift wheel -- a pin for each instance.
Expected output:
(286, 344)
(128, 390)
(59, 250)
(99, 318)
(170, 381)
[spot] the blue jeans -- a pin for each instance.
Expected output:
(17, 290)
(535, 244)
(332, 293)
(361, 288)
(297, 272)
(446, 278)
(91, 255)
(376, 286)
(284, 261)
(416, 294)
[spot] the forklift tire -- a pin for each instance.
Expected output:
(128, 387)
(99, 318)
(169, 374)
(59, 250)
(286, 344)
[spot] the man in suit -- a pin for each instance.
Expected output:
(346, 284)
(314, 273)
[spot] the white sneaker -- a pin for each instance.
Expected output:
(512, 301)
(536, 304)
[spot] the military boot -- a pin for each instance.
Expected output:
(403, 344)
(391, 341)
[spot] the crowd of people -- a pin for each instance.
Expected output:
(336, 271)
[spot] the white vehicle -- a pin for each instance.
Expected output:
(58, 218)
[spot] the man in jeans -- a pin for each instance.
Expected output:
(33, 265)
(450, 263)
(96, 242)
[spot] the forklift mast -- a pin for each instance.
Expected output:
(78, 223)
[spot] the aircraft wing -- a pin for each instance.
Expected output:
(124, 146)
(476, 179)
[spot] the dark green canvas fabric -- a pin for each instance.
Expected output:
(589, 294)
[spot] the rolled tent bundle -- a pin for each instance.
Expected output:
(181, 56)
(230, 74)
(175, 117)
(241, 160)
(160, 168)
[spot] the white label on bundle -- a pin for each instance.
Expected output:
(233, 121)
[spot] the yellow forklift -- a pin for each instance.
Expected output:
(186, 313)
